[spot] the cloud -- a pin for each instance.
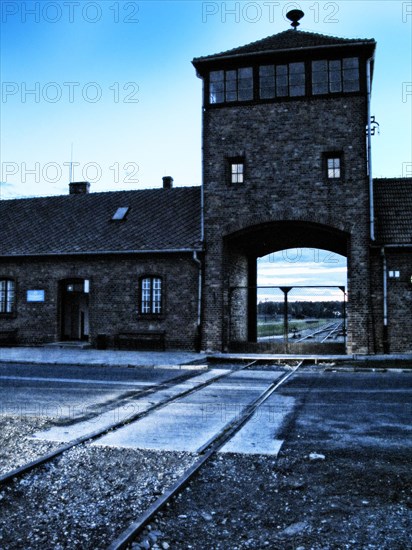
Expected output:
(7, 190)
(294, 270)
(309, 267)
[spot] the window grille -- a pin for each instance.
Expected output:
(151, 296)
(7, 295)
(230, 86)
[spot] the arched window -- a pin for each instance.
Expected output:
(7, 295)
(151, 296)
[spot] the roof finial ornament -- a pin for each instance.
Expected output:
(295, 16)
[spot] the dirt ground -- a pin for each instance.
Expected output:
(342, 480)
(344, 501)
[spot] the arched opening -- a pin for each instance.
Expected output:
(301, 300)
(287, 288)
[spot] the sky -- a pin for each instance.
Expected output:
(113, 81)
(300, 267)
(109, 86)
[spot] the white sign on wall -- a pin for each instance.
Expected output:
(35, 295)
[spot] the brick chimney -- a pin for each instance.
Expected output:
(79, 188)
(167, 182)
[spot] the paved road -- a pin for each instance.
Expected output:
(335, 410)
(72, 391)
(325, 410)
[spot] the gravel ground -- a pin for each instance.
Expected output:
(85, 498)
(354, 499)
(292, 503)
(16, 446)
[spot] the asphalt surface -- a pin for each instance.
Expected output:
(344, 410)
(328, 410)
(69, 392)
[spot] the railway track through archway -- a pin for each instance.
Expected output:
(291, 319)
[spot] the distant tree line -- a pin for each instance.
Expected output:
(301, 310)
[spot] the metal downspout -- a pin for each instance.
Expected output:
(369, 149)
(369, 168)
(385, 302)
(199, 301)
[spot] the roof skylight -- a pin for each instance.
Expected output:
(120, 213)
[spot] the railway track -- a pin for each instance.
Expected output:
(204, 453)
(207, 450)
(328, 329)
(96, 434)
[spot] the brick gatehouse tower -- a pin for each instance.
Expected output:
(285, 165)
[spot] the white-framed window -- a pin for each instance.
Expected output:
(151, 296)
(237, 172)
(333, 166)
(7, 295)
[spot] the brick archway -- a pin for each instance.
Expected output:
(241, 250)
(260, 240)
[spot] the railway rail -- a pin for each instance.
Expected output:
(329, 329)
(205, 452)
(334, 330)
(89, 437)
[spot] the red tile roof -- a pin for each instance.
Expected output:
(393, 210)
(286, 40)
(157, 220)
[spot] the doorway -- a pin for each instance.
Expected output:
(75, 309)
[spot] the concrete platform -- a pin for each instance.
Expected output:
(50, 355)
(188, 423)
(106, 358)
(191, 422)
(258, 436)
(122, 412)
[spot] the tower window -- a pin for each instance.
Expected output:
(217, 87)
(350, 74)
(282, 80)
(230, 86)
(333, 166)
(237, 170)
(296, 79)
(334, 76)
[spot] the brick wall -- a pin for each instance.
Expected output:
(113, 298)
(399, 301)
(283, 146)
